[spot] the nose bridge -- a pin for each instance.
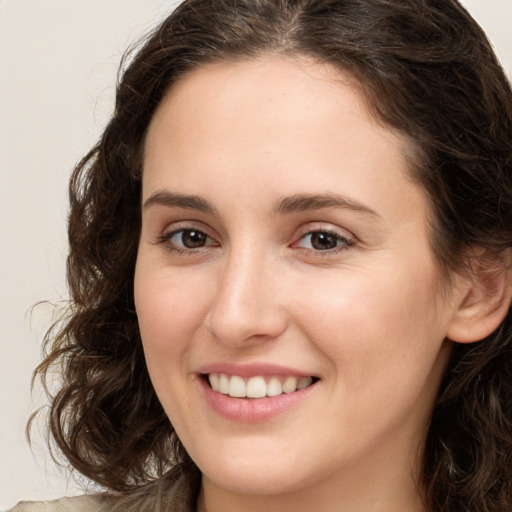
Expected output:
(245, 306)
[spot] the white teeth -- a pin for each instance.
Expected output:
(304, 382)
(214, 379)
(237, 387)
(274, 387)
(256, 387)
(224, 384)
(290, 385)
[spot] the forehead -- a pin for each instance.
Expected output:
(274, 124)
(298, 86)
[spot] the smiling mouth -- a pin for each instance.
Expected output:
(257, 386)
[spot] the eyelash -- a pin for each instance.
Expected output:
(167, 237)
(344, 242)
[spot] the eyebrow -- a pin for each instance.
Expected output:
(284, 206)
(170, 199)
(305, 202)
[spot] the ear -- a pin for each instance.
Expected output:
(484, 298)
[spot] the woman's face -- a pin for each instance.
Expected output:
(283, 244)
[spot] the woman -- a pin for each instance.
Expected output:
(289, 267)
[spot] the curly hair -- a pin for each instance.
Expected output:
(426, 69)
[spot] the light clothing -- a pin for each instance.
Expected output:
(176, 492)
(78, 504)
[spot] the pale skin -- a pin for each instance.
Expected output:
(261, 158)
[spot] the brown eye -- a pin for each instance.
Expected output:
(323, 241)
(189, 239)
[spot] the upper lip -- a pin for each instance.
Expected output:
(248, 370)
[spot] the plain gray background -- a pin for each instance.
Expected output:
(59, 61)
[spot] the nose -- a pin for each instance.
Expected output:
(246, 308)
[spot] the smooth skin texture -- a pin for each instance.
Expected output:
(343, 286)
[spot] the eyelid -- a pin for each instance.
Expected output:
(328, 227)
(170, 230)
(172, 234)
(193, 225)
(320, 227)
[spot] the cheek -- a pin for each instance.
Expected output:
(384, 348)
(169, 310)
(367, 323)
(170, 307)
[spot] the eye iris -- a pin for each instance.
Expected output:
(192, 239)
(322, 241)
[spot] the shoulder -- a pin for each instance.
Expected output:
(77, 504)
(176, 491)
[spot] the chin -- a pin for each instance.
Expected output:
(259, 470)
(256, 480)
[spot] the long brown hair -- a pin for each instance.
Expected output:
(427, 70)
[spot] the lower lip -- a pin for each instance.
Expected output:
(252, 410)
